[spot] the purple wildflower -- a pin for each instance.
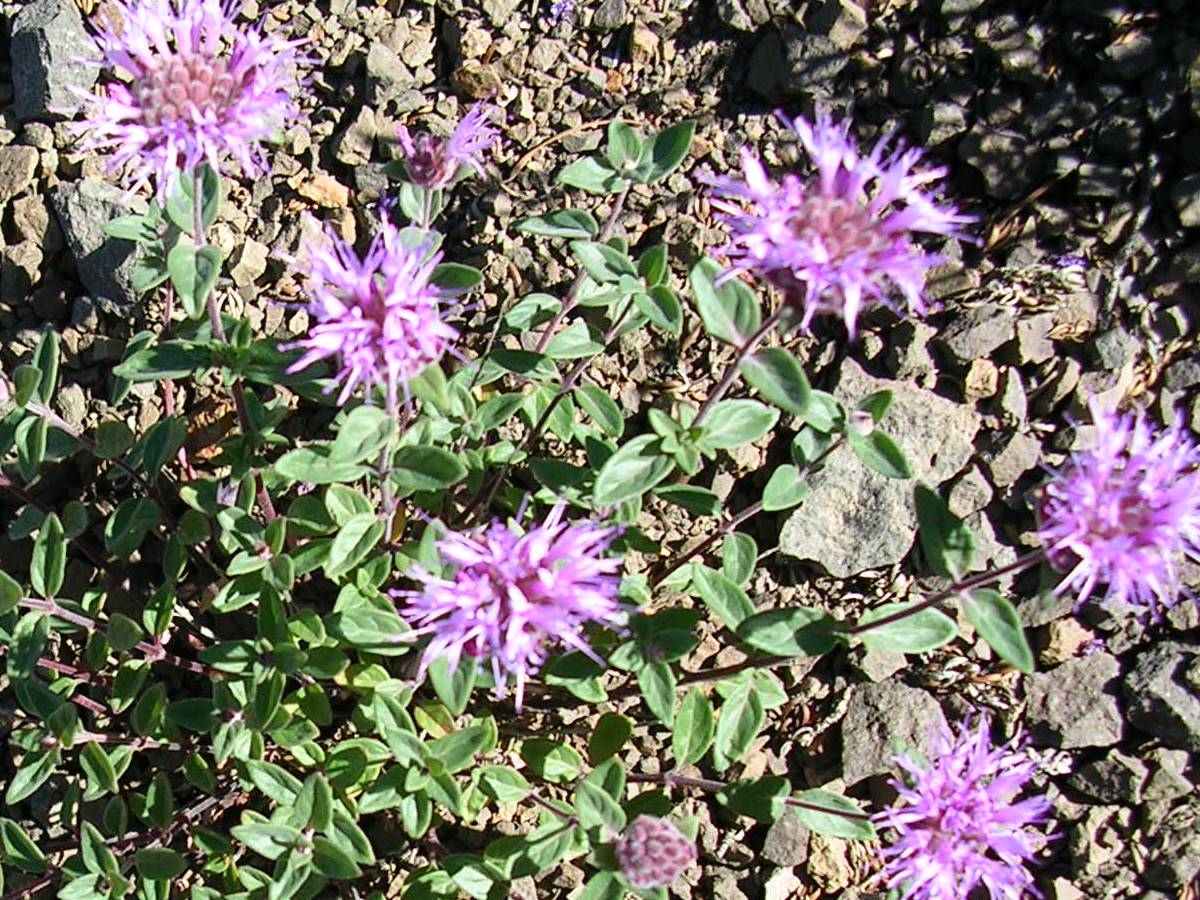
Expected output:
(379, 314)
(200, 89)
(844, 238)
(561, 10)
(652, 852)
(956, 825)
(514, 594)
(1125, 513)
(433, 162)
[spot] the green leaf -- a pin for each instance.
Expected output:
(592, 176)
(844, 818)
(10, 593)
(170, 360)
(997, 622)
(31, 437)
(732, 423)
(139, 229)
(503, 784)
(28, 641)
(656, 680)
(113, 439)
(665, 152)
(740, 720)
(739, 556)
(917, 633)
(48, 566)
(722, 596)
(624, 146)
(564, 223)
(374, 630)
(759, 798)
(550, 760)
(426, 468)
(634, 469)
(596, 402)
(352, 543)
(266, 839)
(790, 631)
(693, 730)
(776, 374)
(37, 766)
(362, 434)
(26, 380)
(313, 465)
(573, 342)
(194, 271)
(610, 734)
(652, 265)
(19, 848)
(697, 500)
(596, 808)
(453, 688)
(331, 861)
(46, 358)
(180, 202)
(730, 312)
(604, 263)
(159, 863)
(785, 489)
(93, 850)
(879, 453)
(456, 277)
(101, 776)
(459, 749)
(661, 306)
(123, 632)
(129, 524)
(275, 782)
(946, 541)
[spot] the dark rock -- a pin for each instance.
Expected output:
(50, 49)
(842, 21)
(1132, 56)
(1004, 160)
(105, 264)
(792, 62)
(1168, 778)
(786, 843)
(18, 166)
(734, 14)
(1011, 457)
(1163, 694)
(854, 519)
(1185, 194)
(976, 332)
(1116, 348)
(610, 15)
(1074, 705)
(1173, 861)
(1182, 374)
(881, 717)
(1115, 778)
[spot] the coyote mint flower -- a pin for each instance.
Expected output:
(842, 239)
(651, 852)
(379, 315)
(956, 825)
(433, 162)
(1125, 514)
(512, 595)
(199, 89)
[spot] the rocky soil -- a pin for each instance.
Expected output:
(1071, 128)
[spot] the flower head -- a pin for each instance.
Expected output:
(201, 89)
(842, 239)
(380, 315)
(434, 162)
(1124, 514)
(651, 852)
(956, 825)
(512, 595)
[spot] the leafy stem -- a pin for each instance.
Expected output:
(731, 373)
(671, 779)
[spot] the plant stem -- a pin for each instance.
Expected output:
(152, 651)
(732, 372)
(550, 807)
(670, 779)
(962, 586)
(25, 497)
(572, 298)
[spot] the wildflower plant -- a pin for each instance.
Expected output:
(235, 670)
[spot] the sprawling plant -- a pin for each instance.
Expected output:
(259, 654)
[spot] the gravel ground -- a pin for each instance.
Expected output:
(1071, 128)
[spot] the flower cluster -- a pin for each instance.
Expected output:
(843, 239)
(201, 89)
(380, 315)
(433, 162)
(652, 852)
(956, 825)
(514, 594)
(1125, 513)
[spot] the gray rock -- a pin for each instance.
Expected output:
(794, 61)
(72, 403)
(18, 166)
(251, 262)
(610, 15)
(1013, 456)
(977, 332)
(1074, 705)
(1013, 403)
(387, 75)
(1033, 338)
(1186, 197)
(49, 50)
(1168, 780)
(854, 519)
(882, 719)
(970, 493)
(1116, 348)
(500, 12)
(1174, 847)
(786, 843)
(354, 145)
(842, 21)
(880, 665)
(1182, 374)
(734, 14)
(1003, 159)
(105, 264)
(1114, 778)
(1162, 694)
(960, 7)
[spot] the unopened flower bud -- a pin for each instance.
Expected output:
(652, 852)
